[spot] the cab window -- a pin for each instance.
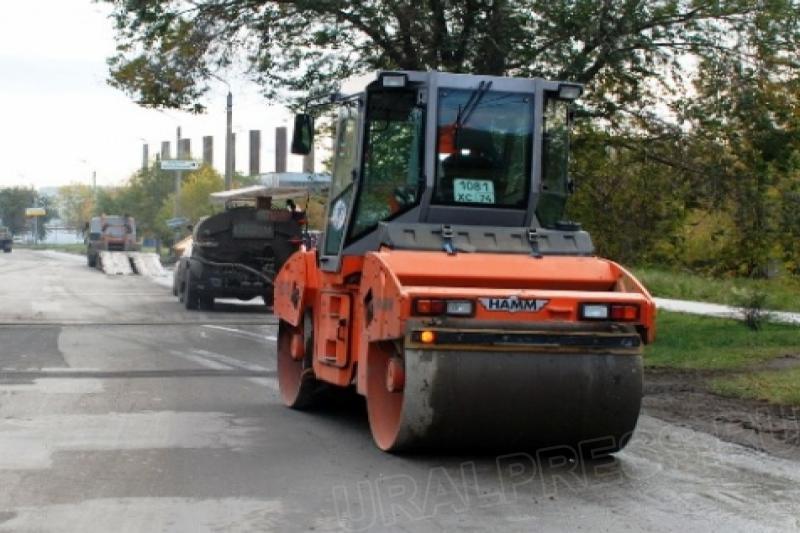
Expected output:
(393, 150)
(484, 148)
(555, 162)
(344, 162)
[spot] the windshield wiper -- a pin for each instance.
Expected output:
(464, 113)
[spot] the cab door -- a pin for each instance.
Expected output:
(343, 183)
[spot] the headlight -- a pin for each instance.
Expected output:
(594, 311)
(460, 307)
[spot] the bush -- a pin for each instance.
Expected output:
(752, 305)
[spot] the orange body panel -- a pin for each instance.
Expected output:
(370, 300)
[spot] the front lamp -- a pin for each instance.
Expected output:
(394, 81)
(568, 91)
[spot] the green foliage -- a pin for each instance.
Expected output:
(193, 200)
(141, 197)
(747, 128)
(697, 342)
(167, 52)
(75, 204)
(691, 108)
(632, 204)
(778, 387)
(752, 304)
(782, 293)
(14, 201)
(77, 248)
(241, 181)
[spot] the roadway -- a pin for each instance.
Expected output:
(121, 411)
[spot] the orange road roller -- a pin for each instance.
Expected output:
(448, 288)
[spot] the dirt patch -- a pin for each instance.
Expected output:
(683, 398)
(783, 362)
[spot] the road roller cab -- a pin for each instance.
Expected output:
(447, 287)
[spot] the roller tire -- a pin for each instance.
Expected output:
(206, 301)
(587, 403)
(191, 299)
(299, 388)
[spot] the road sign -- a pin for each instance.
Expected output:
(175, 223)
(35, 212)
(179, 164)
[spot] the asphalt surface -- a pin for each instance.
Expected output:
(120, 411)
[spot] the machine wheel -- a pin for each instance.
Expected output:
(7, 250)
(190, 297)
(582, 404)
(385, 391)
(299, 388)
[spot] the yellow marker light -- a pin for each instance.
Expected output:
(427, 337)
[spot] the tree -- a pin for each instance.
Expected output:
(194, 199)
(76, 204)
(13, 202)
(50, 207)
(142, 197)
(746, 120)
(685, 105)
(629, 51)
(630, 194)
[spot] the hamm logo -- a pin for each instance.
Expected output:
(512, 304)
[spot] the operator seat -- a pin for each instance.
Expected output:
(474, 157)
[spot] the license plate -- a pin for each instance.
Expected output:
(473, 191)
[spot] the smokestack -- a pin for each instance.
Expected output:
(233, 154)
(208, 150)
(255, 152)
(185, 150)
(280, 149)
(145, 156)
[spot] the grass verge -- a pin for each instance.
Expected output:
(782, 294)
(774, 386)
(692, 342)
(78, 248)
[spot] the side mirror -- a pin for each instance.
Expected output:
(303, 134)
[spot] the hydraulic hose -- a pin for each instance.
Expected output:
(235, 265)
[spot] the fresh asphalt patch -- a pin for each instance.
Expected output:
(28, 375)
(30, 347)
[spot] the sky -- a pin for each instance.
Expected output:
(60, 121)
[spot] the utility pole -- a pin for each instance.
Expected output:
(229, 143)
(35, 222)
(178, 174)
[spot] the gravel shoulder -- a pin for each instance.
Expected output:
(683, 398)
